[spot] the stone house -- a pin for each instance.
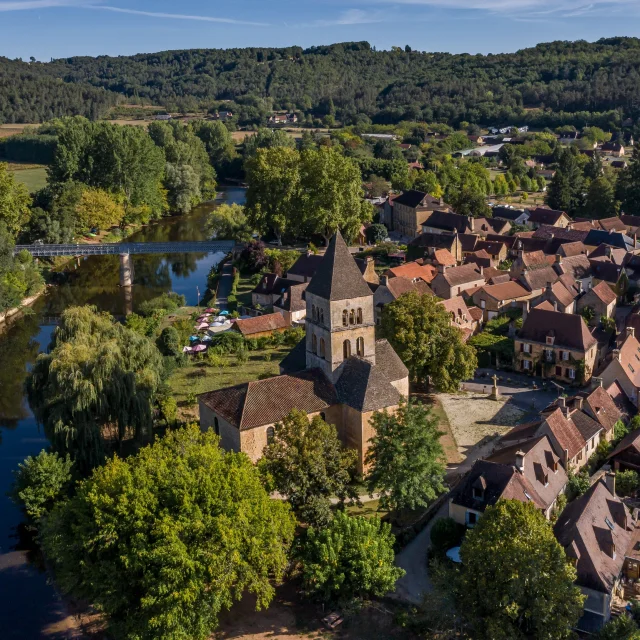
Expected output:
(391, 289)
(452, 281)
(555, 345)
(543, 216)
(426, 243)
(626, 455)
(270, 289)
(339, 370)
(624, 368)
(292, 304)
(411, 208)
(305, 267)
(494, 299)
(601, 299)
(461, 316)
(413, 271)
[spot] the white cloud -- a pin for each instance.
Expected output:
(349, 17)
(176, 16)
(25, 5)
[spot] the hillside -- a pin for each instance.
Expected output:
(351, 80)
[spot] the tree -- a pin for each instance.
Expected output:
(165, 540)
(627, 482)
(97, 208)
(95, 384)
(427, 181)
(588, 313)
(40, 482)
(565, 192)
(515, 580)
(14, 202)
(500, 186)
(217, 142)
(601, 201)
(578, 483)
(183, 186)
(623, 627)
(308, 465)
(266, 139)
(331, 193)
(168, 342)
(378, 186)
(376, 233)
(445, 534)
(273, 196)
(471, 203)
(405, 457)
(420, 331)
(351, 558)
(628, 185)
(229, 221)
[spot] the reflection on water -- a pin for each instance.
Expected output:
(27, 603)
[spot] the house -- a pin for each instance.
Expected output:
(292, 305)
(443, 257)
(529, 472)
(339, 371)
(601, 299)
(614, 149)
(410, 210)
(536, 281)
(460, 316)
(624, 368)
(613, 238)
(578, 267)
(613, 223)
(270, 289)
(261, 326)
(610, 273)
(497, 250)
(494, 299)
(597, 532)
(570, 249)
(618, 164)
(542, 215)
(607, 253)
(391, 289)
(426, 243)
(452, 281)
(413, 271)
(560, 297)
(449, 222)
(305, 267)
(529, 261)
(514, 216)
(482, 259)
(476, 139)
(557, 345)
(626, 455)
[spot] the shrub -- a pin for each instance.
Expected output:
(445, 534)
(192, 399)
(627, 482)
(167, 302)
(293, 335)
(578, 484)
(277, 339)
(267, 357)
(228, 342)
(242, 356)
(252, 344)
(169, 342)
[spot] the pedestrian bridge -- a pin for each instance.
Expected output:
(124, 248)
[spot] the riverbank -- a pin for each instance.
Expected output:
(27, 302)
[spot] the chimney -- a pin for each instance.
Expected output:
(579, 285)
(607, 251)
(631, 332)
(555, 305)
(578, 402)
(525, 310)
(481, 270)
(520, 461)
(616, 354)
(558, 258)
(562, 402)
(610, 482)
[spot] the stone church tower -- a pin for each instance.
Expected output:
(340, 320)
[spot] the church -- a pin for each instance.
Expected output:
(338, 371)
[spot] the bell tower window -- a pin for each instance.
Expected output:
(313, 311)
(352, 317)
(345, 318)
(346, 349)
(360, 347)
(321, 316)
(359, 316)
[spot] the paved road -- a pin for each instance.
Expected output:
(224, 286)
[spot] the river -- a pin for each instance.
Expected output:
(30, 608)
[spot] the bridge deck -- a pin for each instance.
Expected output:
(45, 250)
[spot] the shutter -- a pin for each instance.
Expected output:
(521, 346)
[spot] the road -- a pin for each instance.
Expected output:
(225, 285)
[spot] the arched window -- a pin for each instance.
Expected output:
(314, 343)
(271, 432)
(346, 349)
(359, 316)
(360, 346)
(352, 316)
(345, 318)
(322, 348)
(313, 311)
(216, 426)
(321, 316)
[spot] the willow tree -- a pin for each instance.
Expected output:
(95, 385)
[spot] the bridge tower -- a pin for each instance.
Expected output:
(126, 270)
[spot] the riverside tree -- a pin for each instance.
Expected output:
(405, 457)
(420, 331)
(515, 581)
(15, 202)
(95, 384)
(164, 541)
(308, 465)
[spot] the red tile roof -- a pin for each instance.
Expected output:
(260, 324)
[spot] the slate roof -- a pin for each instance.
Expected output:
(260, 324)
(293, 299)
(546, 232)
(540, 215)
(569, 329)
(437, 240)
(609, 253)
(586, 528)
(448, 221)
(338, 276)
(398, 286)
(461, 275)
(538, 278)
(388, 361)
(296, 359)
(508, 214)
(577, 266)
(272, 283)
(306, 265)
(607, 271)
(468, 241)
(630, 360)
(365, 387)
(630, 441)
(491, 247)
(413, 198)
(260, 402)
(620, 240)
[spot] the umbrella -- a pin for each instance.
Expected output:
(210, 310)
(206, 339)
(193, 338)
(199, 347)
(224, 313)
(216, 324)
(202, 326)
(219, 319)
(186, 349)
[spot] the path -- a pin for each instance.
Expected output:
(225, 285)
(413, 559)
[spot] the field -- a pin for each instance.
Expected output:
(32, 175)
(7, 130)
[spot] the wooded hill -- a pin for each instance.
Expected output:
(547, 85)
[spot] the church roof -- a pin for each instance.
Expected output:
(338, 276)
(365, 387)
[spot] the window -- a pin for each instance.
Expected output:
(631, 368)
(526, 348)
(346, 349)
(548, 354)
(558, 371)
(549, 339)
(314, 343)
(571, 374)
(359, 316)
(216, 426)
(313, 312)
(472, 518)
(483, 304)
(322, 348)
(478, 493)
(345, 318)
(555, 466)
(271, 432)
(352, 316)
(526, 365)
(609, 523)
(360, 347)
(565, 355)
(321, 316)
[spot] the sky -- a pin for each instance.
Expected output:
(48, 29)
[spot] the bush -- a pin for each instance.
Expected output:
(169, 342)
(267, 357)
(252, 344)
(41, 482)
(228, 342)
(192, 399)
(242, 356)
(277, 339)
(578, 484)
(376, 233)
(445, 534)
(627, 483)
(293, 335)
(167, 302)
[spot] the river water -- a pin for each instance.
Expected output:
(30, 608)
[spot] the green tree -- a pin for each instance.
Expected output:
(217, 142)
(40, 482)
(471, 203)
(266, 139)
(515, 580)
(331, 193)
(229, 221)
(566, 190)
(15, 202)
(95, 384)
(405, 458)
(623, 627)
(627, 482)
(427, 181)
(308, 465)
(351, 558)
(500, 186)
(183, 187)
(164, 541)
(420, 331)
(446, 533)
(273, 196)
(628, 185)
(601, 201)
(168, 342)
(376, 233)
(578, 483)
(97, 208)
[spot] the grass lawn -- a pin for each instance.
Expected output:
(32, 176)
(367, 510)
(246, 285)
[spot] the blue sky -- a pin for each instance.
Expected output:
(59, 28)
